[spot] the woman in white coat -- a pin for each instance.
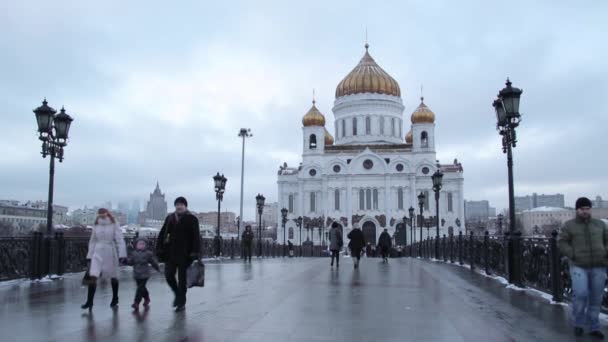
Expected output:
(106, 250)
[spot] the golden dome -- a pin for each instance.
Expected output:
(423, 114)
(329, 140)
(368, 77)
(314, 117)
(409, 137)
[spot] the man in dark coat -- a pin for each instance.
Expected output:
(584, 241)
(384, 244)
(248, 242)
(356, 244)
(178, 245)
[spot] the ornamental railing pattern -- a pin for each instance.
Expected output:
(37, 256)
(542, 266)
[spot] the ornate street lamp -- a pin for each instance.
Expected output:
(506, 107)
(437, 184)
(220, 186)
(53, 131)
(284, 221)
(421, 199)
(243, 133)
(412, 235)
(259, 200)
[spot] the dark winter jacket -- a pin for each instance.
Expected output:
(179, 239)
(357, 240)
(385, 240)
(585, 242)
(141, 260)
(247, 237)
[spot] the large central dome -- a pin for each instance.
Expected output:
(368, 77)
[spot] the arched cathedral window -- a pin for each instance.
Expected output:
(312, 142)
(424, 139)
(368, 125)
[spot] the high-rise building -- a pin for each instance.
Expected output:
(478, 211)
(600, 203)
(535, 201)
(156, 209)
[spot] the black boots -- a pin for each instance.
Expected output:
(597, 335)
(114, 302)
(90, 296)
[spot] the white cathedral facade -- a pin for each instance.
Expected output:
(369, 175)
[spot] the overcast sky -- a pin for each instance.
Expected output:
(159, 90)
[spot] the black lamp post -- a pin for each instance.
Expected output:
(259, 200)
(507, 120)
(53, 132)
(437, 184)
(412, 235)
(220, 187)
(421, 198)
(284, 221)
(299, 223)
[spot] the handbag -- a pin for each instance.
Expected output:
(195, 274)
(86, 279)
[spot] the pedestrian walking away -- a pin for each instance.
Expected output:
(356, 244)
(384, 245)
(178, 245)
(107, 249)
(247, 238)
(584, 241)
(142, 259)
(335, 243)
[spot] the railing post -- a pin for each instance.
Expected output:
(486, 252)
(451, 246)
(232, 248)
(517, 250)
(556, 279)
(460, 248)
(444, 248)
(34, 252)
(471, 251)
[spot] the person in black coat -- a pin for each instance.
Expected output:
(356, 244)
(248, 242)
(178, 245)
(384, 244)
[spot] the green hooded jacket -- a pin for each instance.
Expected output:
(584, 242)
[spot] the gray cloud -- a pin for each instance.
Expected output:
(159, 92)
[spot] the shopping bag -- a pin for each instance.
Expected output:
(196, 274)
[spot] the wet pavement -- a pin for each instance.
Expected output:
(292, 300)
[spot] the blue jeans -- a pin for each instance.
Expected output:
(587, 292)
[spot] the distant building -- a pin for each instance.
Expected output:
(60, 212)
(84, 217)
(535, 201)
(271, 215)
(478, 210)
(227, 221)
(16, 219)
(543, 220)
(600, 203)
(156, 209)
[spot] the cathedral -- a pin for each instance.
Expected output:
(368, 173)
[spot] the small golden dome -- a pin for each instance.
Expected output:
(368, 77)
(409, 137)
(314, 117)
(329, 139)
(423, 114)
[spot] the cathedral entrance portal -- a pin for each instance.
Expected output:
(369, 231)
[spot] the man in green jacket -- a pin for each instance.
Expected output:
(584, 240)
